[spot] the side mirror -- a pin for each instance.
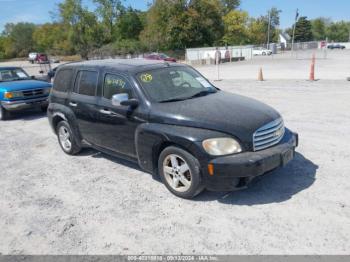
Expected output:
(123, 100)
(131, 102)
(119, 98)
(32, 77)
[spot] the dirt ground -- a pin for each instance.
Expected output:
(51, 203)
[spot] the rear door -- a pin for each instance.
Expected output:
(83, 102)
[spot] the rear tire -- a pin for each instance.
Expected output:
(4, 114)
(180, 172)
(66, 139)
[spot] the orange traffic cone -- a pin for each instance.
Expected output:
(261, 76)
(312, 69)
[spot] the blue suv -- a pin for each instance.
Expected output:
(19, 91)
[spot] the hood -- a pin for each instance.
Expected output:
(23, 85)
(225, 112)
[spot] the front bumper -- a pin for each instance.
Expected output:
(236, 171)
(23, 104)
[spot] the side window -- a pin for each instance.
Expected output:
(115, 84)
(63, 80)
(86, 83)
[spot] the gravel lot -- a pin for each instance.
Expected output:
(51, 203)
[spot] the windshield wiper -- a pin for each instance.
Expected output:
(199, 94)
(173, 100)
(202, 93)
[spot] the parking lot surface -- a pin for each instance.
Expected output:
(52, 203)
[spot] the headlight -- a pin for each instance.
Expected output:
(47, 90)
(10, 95)
(221, 146)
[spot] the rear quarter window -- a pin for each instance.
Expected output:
(63, 80)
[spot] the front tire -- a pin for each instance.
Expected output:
(44, 108)
(66, 138)
(180, 172)
(4, 114)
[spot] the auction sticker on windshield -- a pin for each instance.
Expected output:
(146, 78)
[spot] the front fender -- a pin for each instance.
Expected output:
(152, 138)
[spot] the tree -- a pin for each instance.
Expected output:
(236, 28)
(257, 29)
(157, 22)
(319, 28)
(338, 31)
(52, 38)
(229, 5)
(109, 11)
(303, 30)
(85, 33)
(274, 17)
(129, 25)
(206, 19)
(182, 23)
(20, 38)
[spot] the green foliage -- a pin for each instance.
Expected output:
(180, 24)
(129, 25)
(84, 31)
(257, 29)
(236, 28)
(109, 12)
(230, 5)
(52, 38)
(19, 40)
(319, 28)
(338, 31)
(303, 30)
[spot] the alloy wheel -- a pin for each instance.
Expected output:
(177, 173)
(65, 139)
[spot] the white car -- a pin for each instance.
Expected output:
(32, 57)
(262, 51)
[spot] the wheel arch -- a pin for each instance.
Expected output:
(58, 113)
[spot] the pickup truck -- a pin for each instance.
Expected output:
(171, 121)
(20, 91)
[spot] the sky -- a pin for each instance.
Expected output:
(38, 11)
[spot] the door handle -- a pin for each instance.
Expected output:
(73, 104)
(106, 112)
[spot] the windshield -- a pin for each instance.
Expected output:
(163, 56)
(12, 74)
(174, 83)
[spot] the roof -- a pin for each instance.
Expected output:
(285, 36)
(133, 65)
(9, 67)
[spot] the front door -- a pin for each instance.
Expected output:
(117, 124)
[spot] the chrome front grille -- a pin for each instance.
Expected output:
(35, 92)
(268, 135)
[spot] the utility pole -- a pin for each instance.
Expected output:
(268, 31)
(295, 24)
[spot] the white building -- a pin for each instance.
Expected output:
(284, 38)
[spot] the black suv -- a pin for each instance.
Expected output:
(170, 120)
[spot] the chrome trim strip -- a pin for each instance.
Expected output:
(265, 136)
